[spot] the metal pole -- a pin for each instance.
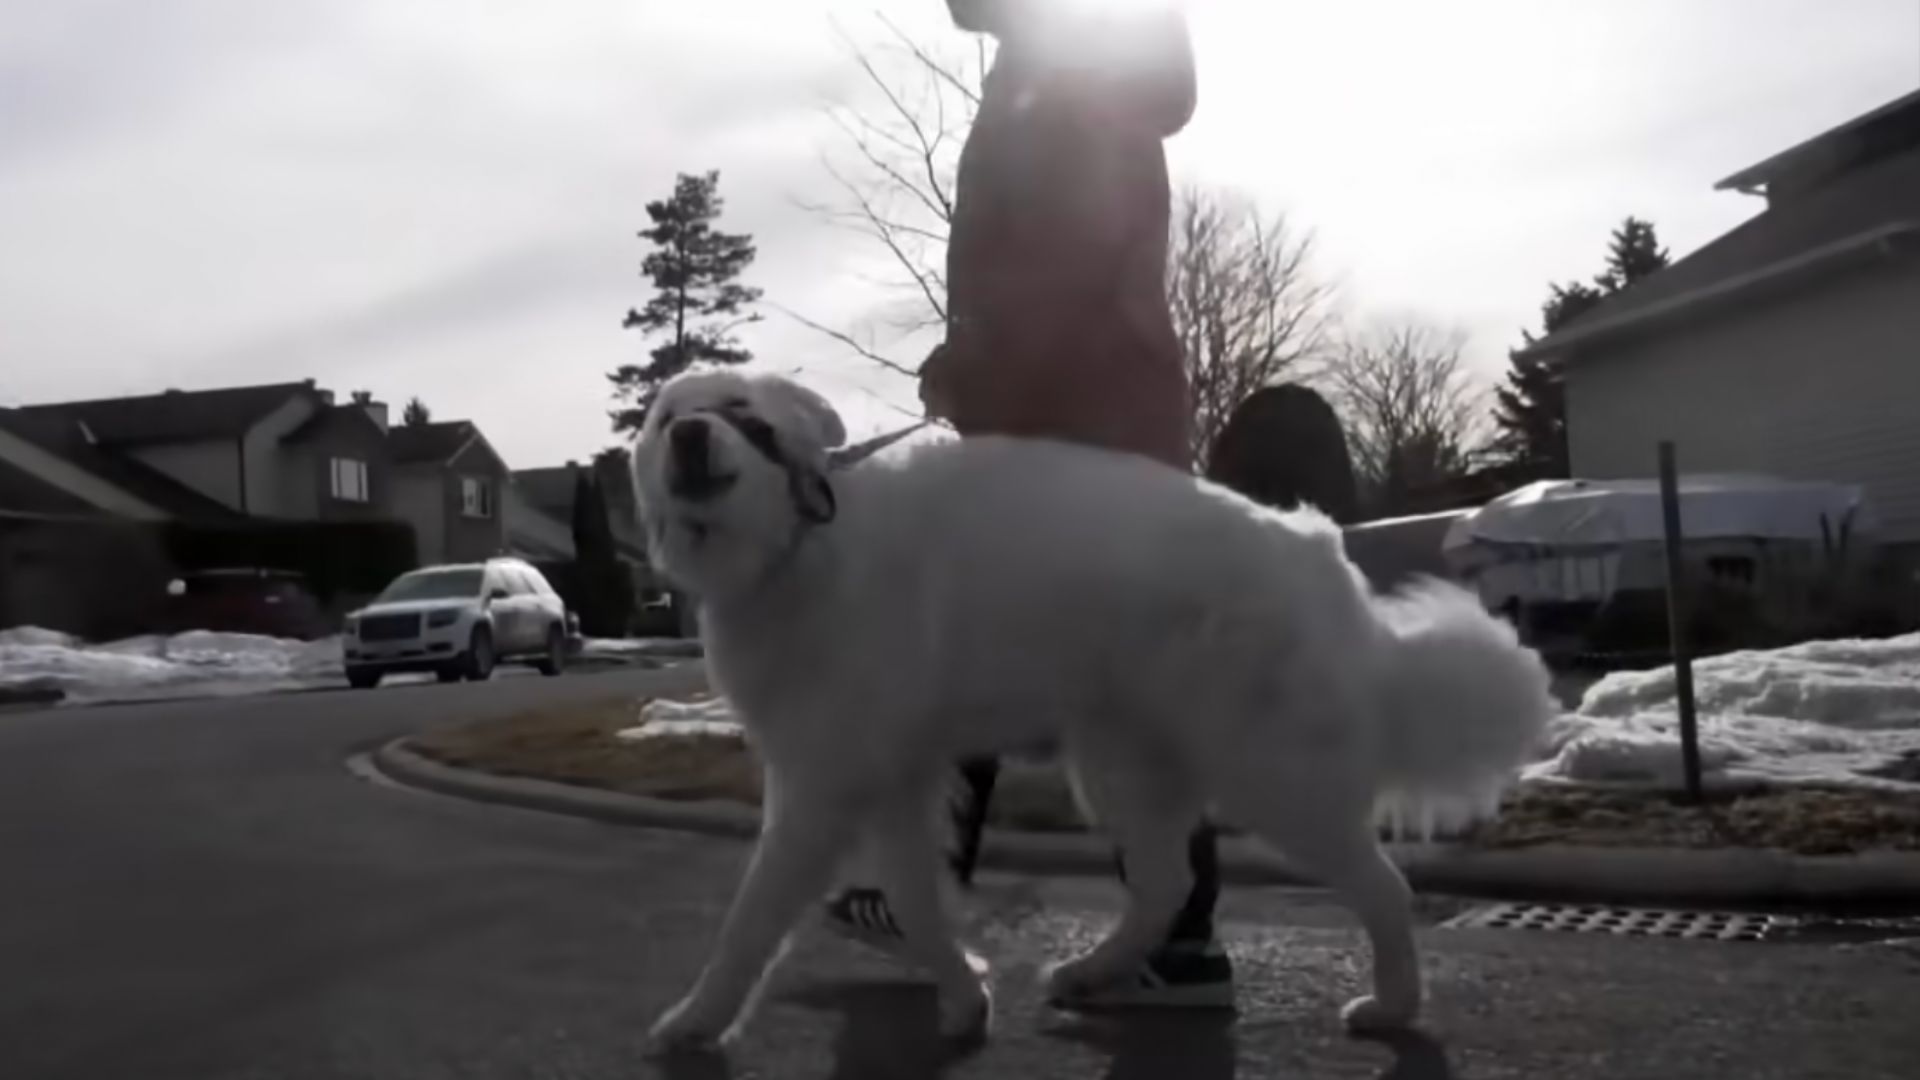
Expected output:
(1677, 622)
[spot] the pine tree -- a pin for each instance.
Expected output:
(605, 592)
(416, 414)
(1634, 252)
(1531, 407)
(693, 269)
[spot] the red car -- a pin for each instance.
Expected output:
(246, 600)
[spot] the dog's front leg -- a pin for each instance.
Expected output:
(908, 864)
(800, 841)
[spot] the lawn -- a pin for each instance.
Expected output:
(579, 745)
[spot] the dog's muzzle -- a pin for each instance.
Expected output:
(690, 472)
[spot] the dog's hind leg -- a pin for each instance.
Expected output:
(1324, 826)
(1149, 810)
(907, 858)
(801, 840)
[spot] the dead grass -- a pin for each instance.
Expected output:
(1808, 821)
(577, 745)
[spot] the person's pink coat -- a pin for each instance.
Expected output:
(1056, 265)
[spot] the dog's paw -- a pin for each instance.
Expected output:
(966, 1015)
(686, 1029)
(1073, 980)
(1369, 1015)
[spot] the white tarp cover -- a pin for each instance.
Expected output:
(1606, 513)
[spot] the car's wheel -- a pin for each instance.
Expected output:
(554, 660)
(362, 678)
(450, 673)
(479, 658)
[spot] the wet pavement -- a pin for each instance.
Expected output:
(202, 890)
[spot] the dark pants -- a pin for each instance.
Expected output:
(1194, 925)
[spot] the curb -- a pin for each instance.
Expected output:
(1685, 877)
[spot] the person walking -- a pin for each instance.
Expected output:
(1058, 328)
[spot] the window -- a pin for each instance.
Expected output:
(349, 480)
(476, 496)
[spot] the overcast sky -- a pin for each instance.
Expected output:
(438, 197)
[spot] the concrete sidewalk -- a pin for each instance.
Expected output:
(1610, 875)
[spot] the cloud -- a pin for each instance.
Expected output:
(439, 197)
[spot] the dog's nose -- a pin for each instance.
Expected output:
(690, 437)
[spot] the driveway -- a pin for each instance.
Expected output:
(203, 890)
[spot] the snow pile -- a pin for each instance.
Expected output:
(641, 648)
(197, 662)
(710, 718)
(1822, 712)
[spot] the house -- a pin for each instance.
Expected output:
(282, 450)
(210, 459)
(1789, 347)
(448, 483)
(63, 563)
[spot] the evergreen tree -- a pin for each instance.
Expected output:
(1531, 407)
(605, 598)
(1634, 252)
(697, 303)
(416, 414)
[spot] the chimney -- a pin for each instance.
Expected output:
(378, 411)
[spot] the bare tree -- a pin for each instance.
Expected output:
(1246, 306)
(895, 175)
(1248, 309)
(1414, 415)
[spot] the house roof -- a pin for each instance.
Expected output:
(21, 492)
(1891, 127)
(175, 415)
(312, 424)
(438, 443)
(66, 438)
(1870, 213)
(549, 490)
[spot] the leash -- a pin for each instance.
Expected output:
(849, 456)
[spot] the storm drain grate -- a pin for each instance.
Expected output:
(1624, 921)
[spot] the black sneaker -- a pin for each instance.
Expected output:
(1177, 976)
(862, 915)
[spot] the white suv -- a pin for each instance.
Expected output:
(457, 622)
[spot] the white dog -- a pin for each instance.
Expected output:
(1187, 649)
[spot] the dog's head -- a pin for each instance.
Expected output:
(730, 470)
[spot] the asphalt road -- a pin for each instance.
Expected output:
(203, 890)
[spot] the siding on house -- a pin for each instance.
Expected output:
(209, 466)
(1821, 385)
(306, 467)
(265, 472)
(470, 538)
(419, 500)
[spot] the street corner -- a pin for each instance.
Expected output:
(1516, 1003)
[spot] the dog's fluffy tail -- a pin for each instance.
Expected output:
(1464, 704)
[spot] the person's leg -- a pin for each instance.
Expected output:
(860, 911)
(1189, 969)
(970, 815)
(1195, 922)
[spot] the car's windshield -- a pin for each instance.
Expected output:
(432, 585)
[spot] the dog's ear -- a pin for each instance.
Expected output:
(800, 413)
(813, 494)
